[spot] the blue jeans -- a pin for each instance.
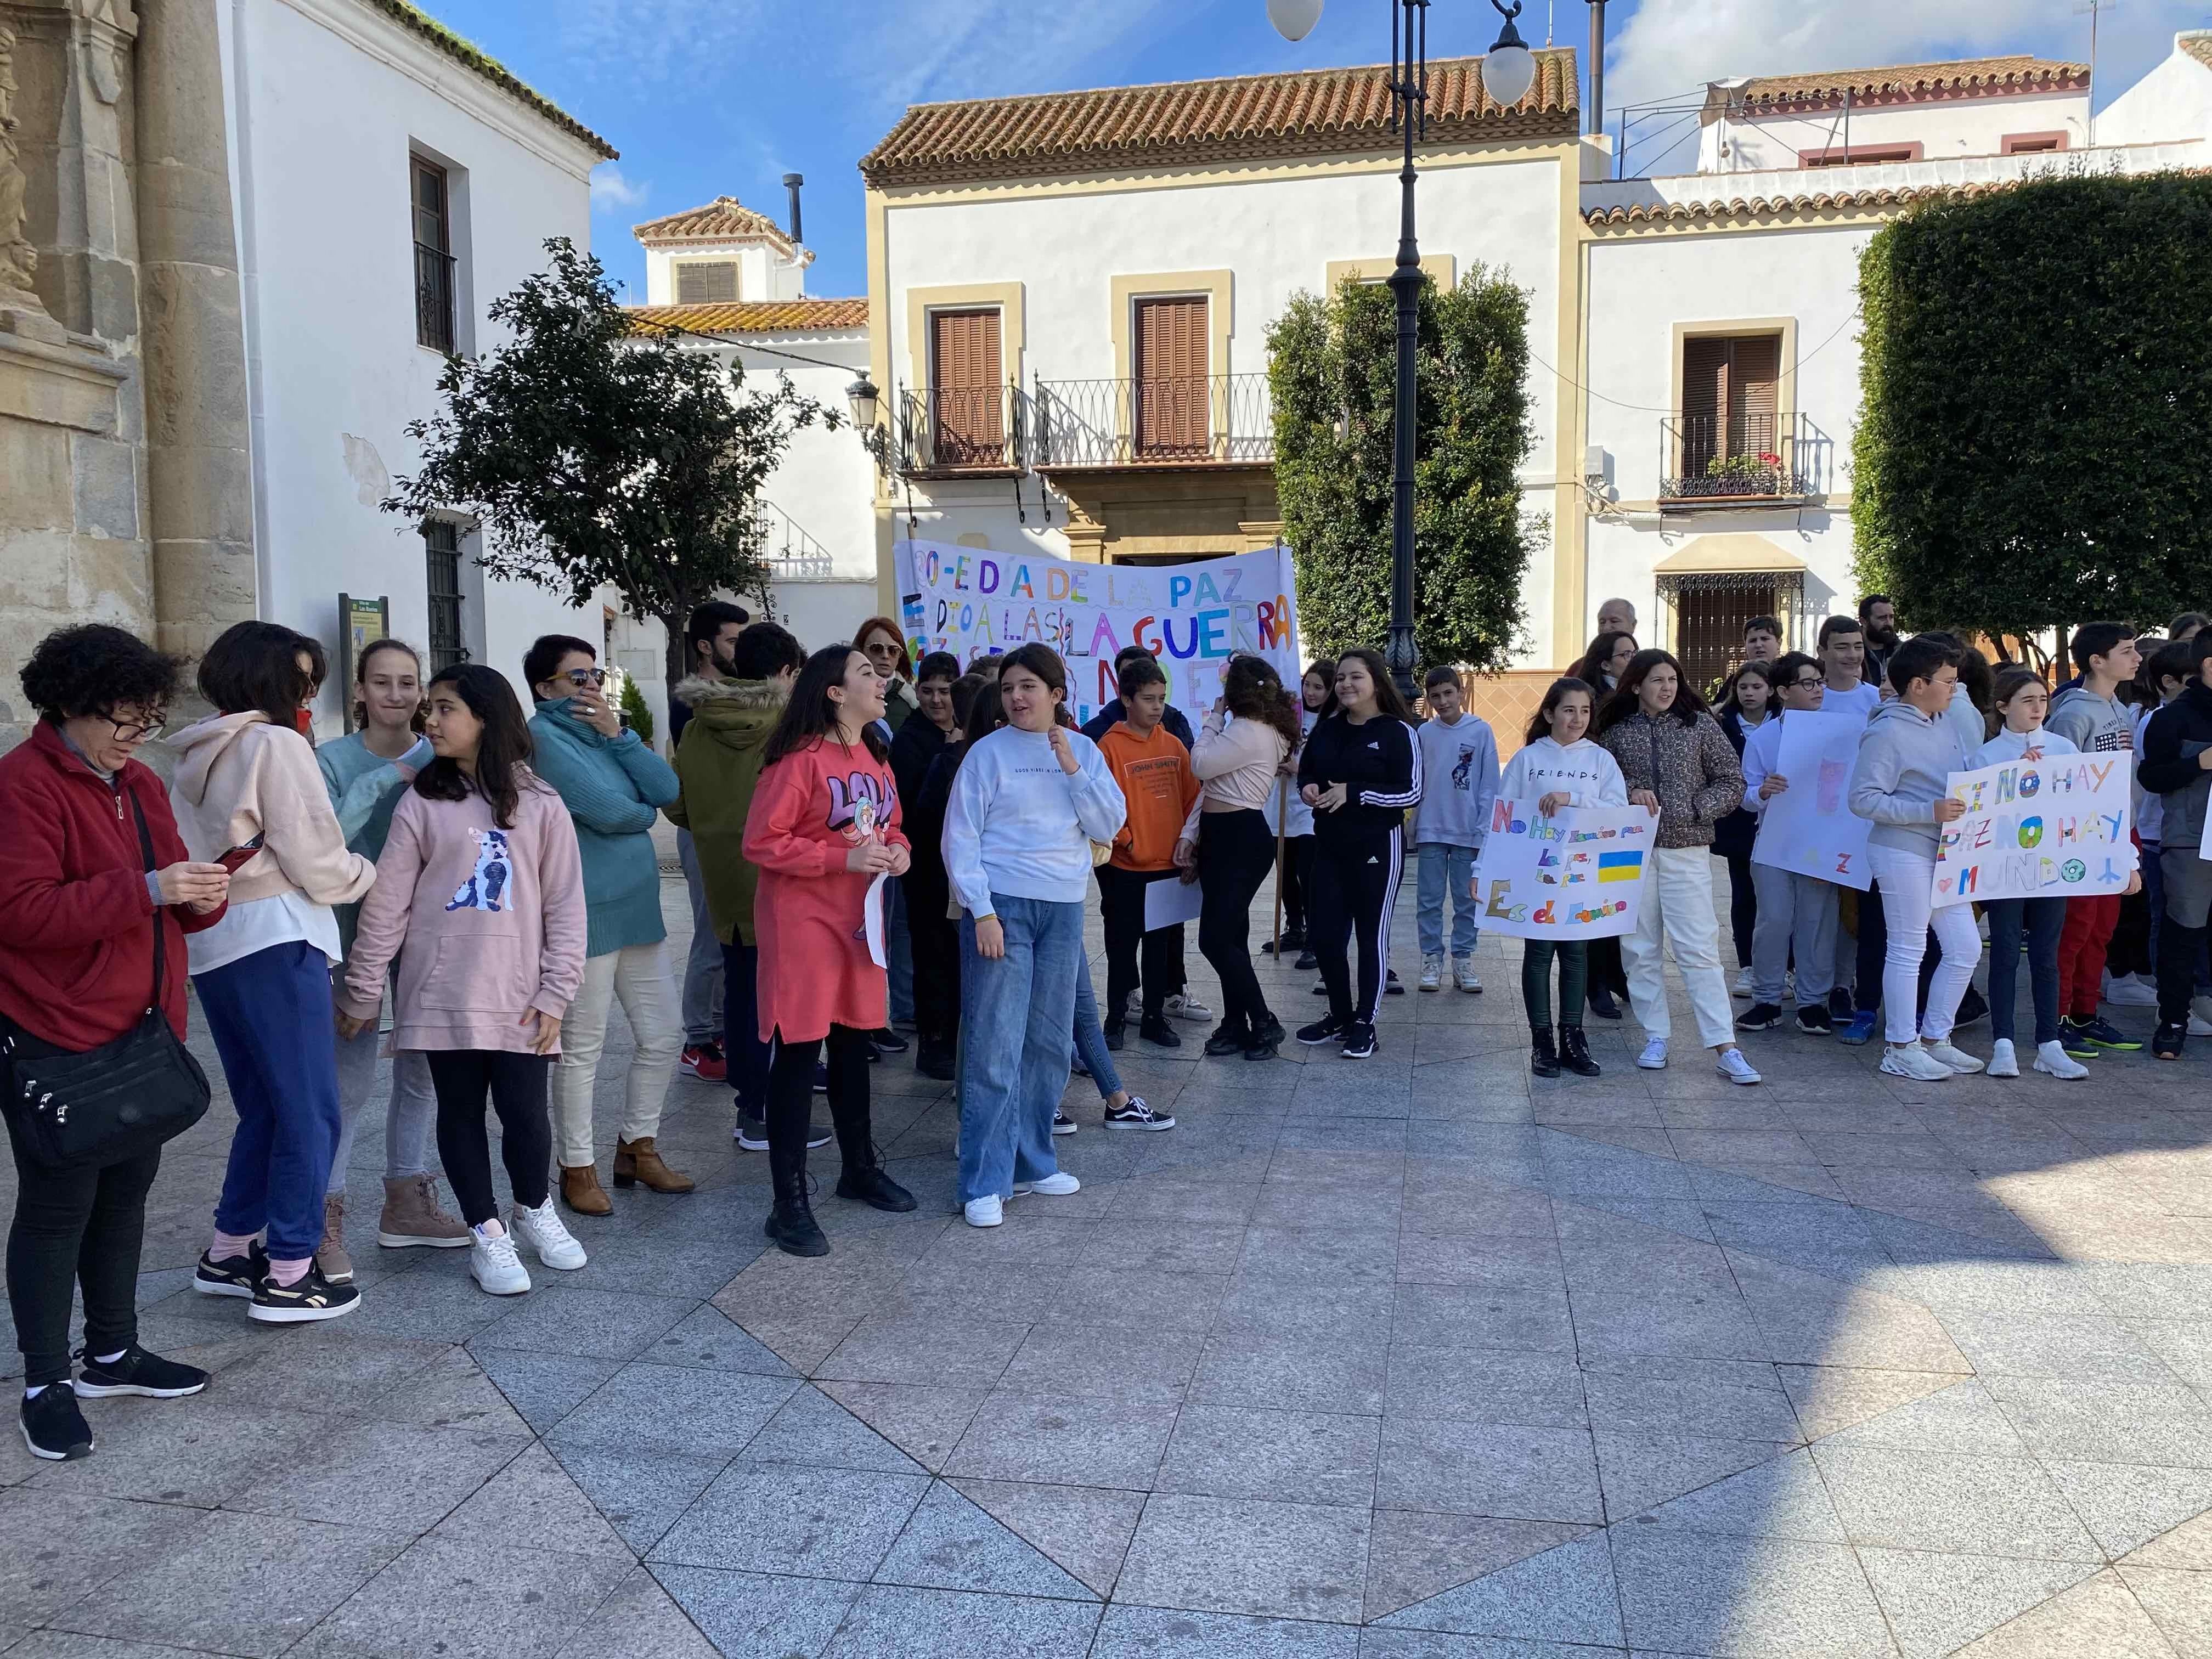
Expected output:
(1090, 1041)
(269, 1015)
(2045, 919)
(1015, 1013)
(1444, 865)
(898, 948)
(703, 966)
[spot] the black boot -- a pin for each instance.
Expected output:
(862, 1178)
(935, 1059)
(1543, 1059)
(791, 1224)
(1574, 1052)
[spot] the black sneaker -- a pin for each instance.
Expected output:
(1358, 1041)
(1116, 1035)
(820, 1077)
(1320, 988)
(1815, 1022)
(1156, 1029)
(1840, 1006)
(234, 1275)
(310, 1296)
(1307, 962)
(137, 1372)
(53, 1428)
(889, 1041)
(1601, 1002)
(1227, 1039)
(936, 1061)
(2105, 1034)
(1294, 938)
(2074, 1038)
(1391, 987)
(1974, 1007)
(1763, 1017)
(2169, 1042)
(1061, 1123)
(1326, 1029)
(1137, 1115)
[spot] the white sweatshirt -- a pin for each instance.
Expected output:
(1582, 770)
(1018, 826)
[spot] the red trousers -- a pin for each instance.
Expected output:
(2089, 924)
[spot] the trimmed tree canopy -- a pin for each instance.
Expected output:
(1336, 359)
(2036, 378)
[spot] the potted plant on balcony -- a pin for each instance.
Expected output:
(1746, 475)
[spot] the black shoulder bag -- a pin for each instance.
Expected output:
(74, 1111)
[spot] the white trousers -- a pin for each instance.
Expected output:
(1678, 903)
(638, 976)
(1907, 882)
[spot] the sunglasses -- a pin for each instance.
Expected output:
(580, 677)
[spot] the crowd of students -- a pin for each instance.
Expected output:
(874, 848)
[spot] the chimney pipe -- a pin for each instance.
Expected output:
(792, 181)
(1596, 123)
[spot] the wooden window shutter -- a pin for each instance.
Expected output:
(707, 283)
(968, 409)
(1173, 343)
(1705, 399)
(1753, 393)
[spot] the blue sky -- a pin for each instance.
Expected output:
(712, 97)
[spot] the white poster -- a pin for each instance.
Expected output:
(1809, 828)
(976, 601)
(1577, 875)
(2055, 828)
(1167, 903)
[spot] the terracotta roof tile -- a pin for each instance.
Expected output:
(419, 22)
(1984, 75)
(724, 219)
(2197, 44)
(755, 316)
(1746, 207)
(1312, 112)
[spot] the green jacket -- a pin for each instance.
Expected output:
(718, 763)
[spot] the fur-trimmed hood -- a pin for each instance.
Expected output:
(696, 693)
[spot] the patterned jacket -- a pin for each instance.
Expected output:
(1693, 769)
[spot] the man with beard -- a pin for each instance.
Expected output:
(1878, 616)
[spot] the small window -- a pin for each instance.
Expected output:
(707, 283)
(2034, 143)
(1859, 156)
(1731, 402)
(968, 401)
(441, 553)
(434, 257)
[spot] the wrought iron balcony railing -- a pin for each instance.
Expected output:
(434, 298)
(1708, 457)
(1189, 420)
(790, 553)
(947, 429)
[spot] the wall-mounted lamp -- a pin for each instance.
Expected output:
(865, 403)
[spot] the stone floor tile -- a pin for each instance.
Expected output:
(924, 1423)
(68, 1645)
(600, 1324)
(676, 1408)
(640, 1493)
(1342, 1254)
(1563, 1594)
(2108, 1422)
(640, 1620)
(336, 1372)
(1243, 1555)
(1166, 1246)
(1937, 1603)
(2187, 1547)
(1714, 1324)
(468, 1599)
(952, 1543)
(709, 1340)
(246, 1584)
(2099, 1616)
(1295, 1371)
(427, 1303)
(937, 1343)
(927, 1623)
(60, 1547)
(1043, 1438)
(1688, 1396)
(1494, 1261)
(810, 1428)
(1937, 1409)
(1131, 1632)
(749, 1615)
(1413, 1555)
(1782, 1498)
(1343, 1310)
(1085, 1529)
(1108, 1362)
(543, 1388)
(777, 1517)
(1486, 1386)
(400, 1477)
(1226, 1451)
(534, 1504)
(1947, 1501)
(1472, 1316)
(1377, 1643)
(1107, 1293)
(2126, 1505)
(1639, 1470)
(2178, 1603)
(453, 1392)
(200, 1450)
(1692, 1593)
(1502, 1470)
(2015, 1342)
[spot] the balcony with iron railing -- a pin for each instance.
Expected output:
(947, 431)
(1713, 461)
(434, 298)
(1218, 420)
(790, 553)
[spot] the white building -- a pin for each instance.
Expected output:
(731, 281)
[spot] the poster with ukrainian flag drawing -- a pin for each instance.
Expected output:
(1577, 875)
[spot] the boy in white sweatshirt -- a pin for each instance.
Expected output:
(1797, 913)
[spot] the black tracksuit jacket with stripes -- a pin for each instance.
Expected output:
(1381, 764)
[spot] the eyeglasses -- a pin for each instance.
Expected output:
(1807, 685)
(580, 677)
(135, 731)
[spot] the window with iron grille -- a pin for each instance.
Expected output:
(434, 257)
(441, 552)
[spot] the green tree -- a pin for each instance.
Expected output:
(2036, 392)
(1332, 363)
(592, 457)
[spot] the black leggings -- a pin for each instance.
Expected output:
(1536, 980)
(1743, 906)
(935, 941)
(1236, 850)
(1121, 911)
(516, 1084)
(75, 1226)
(1297, 881)
(791, 1099)
(1355, 888)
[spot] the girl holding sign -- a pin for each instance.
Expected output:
(1560, 766)
(2022, 701)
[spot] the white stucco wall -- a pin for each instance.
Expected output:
(1946, 127)
(327, 99)
(826, 479)
(763, 272)
(2172, 102)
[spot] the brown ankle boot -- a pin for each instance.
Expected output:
(331, 1255)
(412, 1216)
(640, 1160)
(581, 1192)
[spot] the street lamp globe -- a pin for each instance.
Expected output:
(1510, 69)
(862, 398)
(1294, 19)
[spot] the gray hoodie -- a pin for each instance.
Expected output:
(1906, 762)
(2095, 725)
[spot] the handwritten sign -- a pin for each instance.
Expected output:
(1577, 875)
(2056, 827)
(974, 601)
(1809, 829)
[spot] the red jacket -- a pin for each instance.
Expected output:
(76, 934)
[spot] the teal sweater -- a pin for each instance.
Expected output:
(614, 788)
(364, 788)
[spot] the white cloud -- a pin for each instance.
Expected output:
(613, 192)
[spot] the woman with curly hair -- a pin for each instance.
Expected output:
(96, 886)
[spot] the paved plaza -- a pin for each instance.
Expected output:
(1407, 1359)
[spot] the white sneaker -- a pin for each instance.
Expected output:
(1957, 1059)
(497, 1270)
(1734, 1068)
(2130, 991)
(2200, 1017)
(1058, 1184)
(1463, 975)
(2003, 1063)
(1432, 973)
(1183, 1005)
(542, 1230)
(1654, 1057)
(2053, 1060)
(1911, 1059)
(1743, 983)
(984, 1211)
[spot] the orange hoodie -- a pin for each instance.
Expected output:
(1158, 782)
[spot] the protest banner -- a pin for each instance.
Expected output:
(976, 601)
(1577, 875)
(2056, 827)
(1809, 829)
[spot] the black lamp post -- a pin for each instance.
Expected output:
(1508, 72)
